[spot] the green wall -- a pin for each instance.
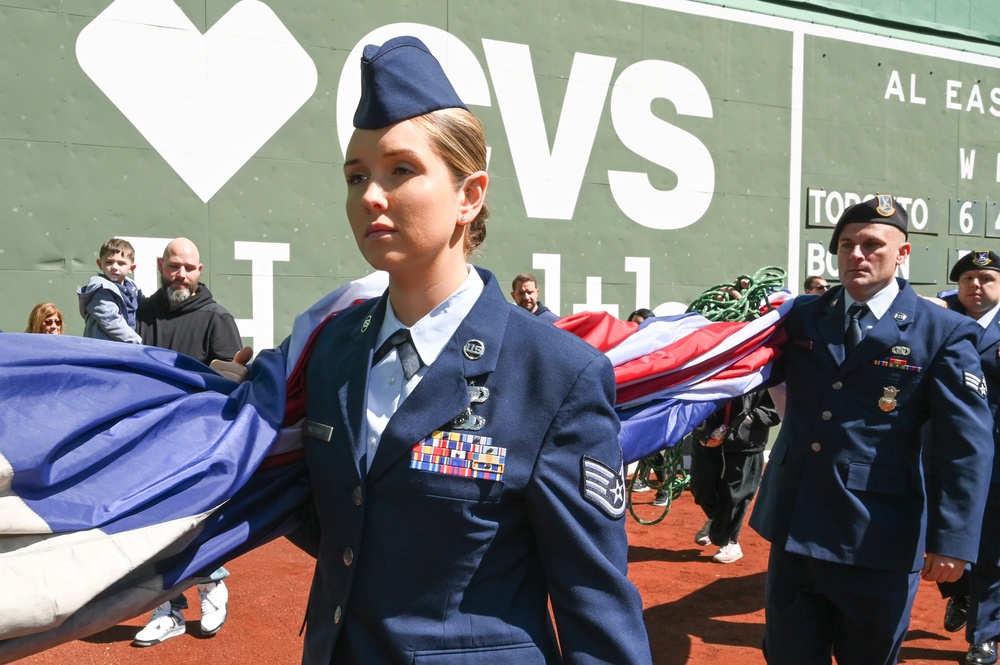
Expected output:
(639, 153)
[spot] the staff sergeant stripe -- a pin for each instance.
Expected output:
(977, 383)
(604, 487)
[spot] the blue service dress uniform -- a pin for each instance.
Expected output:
(417, 566)
(983, 586)
(844, 494)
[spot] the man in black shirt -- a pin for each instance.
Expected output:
(183, 316)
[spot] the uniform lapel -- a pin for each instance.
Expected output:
(886, 333)
(832, 324)
(989, 352)
(352, 378)
(990, 338)
(443, 393)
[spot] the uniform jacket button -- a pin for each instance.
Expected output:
(356, 495)
(348, 556)
(816, 447)
(337, 614)
(837, 385)
(827, 415)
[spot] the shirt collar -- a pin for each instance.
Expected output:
(879, 303)
(986, 319)
(431, 333)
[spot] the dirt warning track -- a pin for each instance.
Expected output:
(696, 611)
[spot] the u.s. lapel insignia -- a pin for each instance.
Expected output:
(887, 402)
(901, 350)
(474, 349)
(368, 322)
(899, 316)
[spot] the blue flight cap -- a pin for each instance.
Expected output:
(401, 80)
(883, 209)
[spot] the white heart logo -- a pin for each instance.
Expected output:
(208, 102)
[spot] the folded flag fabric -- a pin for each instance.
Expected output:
(129, 472)
(672, 372)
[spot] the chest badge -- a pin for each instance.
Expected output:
(887, 402)
(478, 394)
(468, 421)
(901, 350)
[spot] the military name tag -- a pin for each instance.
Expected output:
(317, 430)
(457, 454)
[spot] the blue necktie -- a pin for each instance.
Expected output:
(854, 333)
(408, 356)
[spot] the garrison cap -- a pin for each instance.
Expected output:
(979, 259)
(883, 209)
(401, 80)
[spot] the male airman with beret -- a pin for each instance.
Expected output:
(853, 520)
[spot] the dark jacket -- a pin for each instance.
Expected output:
(198, 327)
(545, 314)
(750, 417)
(846, 480)
(419, 566)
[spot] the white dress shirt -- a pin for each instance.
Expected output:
(878, 305)
(387, 387)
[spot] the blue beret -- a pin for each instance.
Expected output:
(401, 80)
(883, 209)
(980, 259)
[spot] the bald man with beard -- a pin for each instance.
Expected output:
(184, 317)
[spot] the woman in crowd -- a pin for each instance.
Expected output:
(45, 318)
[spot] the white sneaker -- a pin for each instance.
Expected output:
(214, 602)
(702, 536)
(728, 553)
(164, 624)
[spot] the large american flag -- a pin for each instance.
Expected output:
(128, 472)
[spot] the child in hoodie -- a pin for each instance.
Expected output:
(108, 303)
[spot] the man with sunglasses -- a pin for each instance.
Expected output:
(815, 285)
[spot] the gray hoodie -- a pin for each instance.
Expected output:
(102, 307)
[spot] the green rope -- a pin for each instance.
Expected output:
(721, 302)
(677, 479)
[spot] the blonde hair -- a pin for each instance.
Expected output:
(458, 138)
(40, 312)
